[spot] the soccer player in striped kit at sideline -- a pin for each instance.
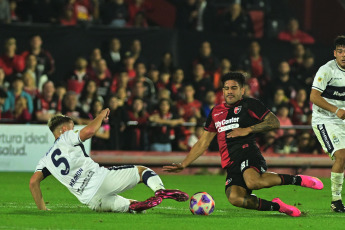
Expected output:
(328, 97)
(235, 122)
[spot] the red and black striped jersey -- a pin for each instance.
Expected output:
(223, 118)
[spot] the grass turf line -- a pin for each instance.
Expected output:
(18, 211)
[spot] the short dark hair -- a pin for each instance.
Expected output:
(339, 41)
(3, 93)
(235, 76)
(58, 120)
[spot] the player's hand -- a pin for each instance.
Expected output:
(175, 167)
(238, 132)
(106, 112)
(341, 114)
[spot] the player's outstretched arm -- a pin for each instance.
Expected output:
(36, 190)
(90, 130)
(198, 149)
(317, 99)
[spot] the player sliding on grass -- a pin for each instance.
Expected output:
(236, 123)
(95, 186)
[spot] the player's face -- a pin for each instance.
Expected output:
(232, 92)
(339, 54)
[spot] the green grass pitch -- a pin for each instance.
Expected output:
(18, 211)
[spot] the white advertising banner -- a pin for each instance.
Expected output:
(21, 146)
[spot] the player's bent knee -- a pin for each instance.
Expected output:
(253, 185)
(235, 200)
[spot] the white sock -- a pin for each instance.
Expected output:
(152, 180)
(337, 185)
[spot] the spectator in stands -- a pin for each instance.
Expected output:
(3, 83)
(47, 104)
(279, 98)
(20, 113)
(236, 22)
(60, 93)
(101, 138)
(5, 13)
(162, 135)
(136, 138)
(136, 51)
(267, 142)
(120, 81)
(306, 74)
(176, 85)
(85, 10)
(118, 118)
(300, 108)
(207, 59)
(32, 68)
(10, 62)
(284, 80)
(113, 56)
(203, 18)
(256, 65)
(306, 143)
(223, 68)
(187, 136)
(128, 62)
(88, 96)
(167, 63)
(70, 108)
(201, 83)
(3, 96)
(294, 35)
(139, 21)
(30, 84)
(95, 56)
(76, 80)
(68, 17)
(286, 144)
(164, 80)
(189, 107)
(45, 11)
(209, 103)
(122, 97)
(153, 74)
(102, 78)
(16, 92)
(45, 61)
(296, 61)
(138, 6)
(285, 121)
(139, 91)
(114, 13)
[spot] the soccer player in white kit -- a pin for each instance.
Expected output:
(95, 186)
(328, 97)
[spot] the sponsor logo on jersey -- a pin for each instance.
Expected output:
(336, 93)
(76, 177)
(216, 114)
(228, 181)
(85, 182)
(237, 109)
(228, 124)
(244, 164)
(335, 139)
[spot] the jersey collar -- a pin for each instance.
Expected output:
(233, 105)
(339, 66)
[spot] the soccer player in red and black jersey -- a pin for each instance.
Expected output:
(236, 121)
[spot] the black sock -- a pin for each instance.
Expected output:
(265, 205)
(290, 179)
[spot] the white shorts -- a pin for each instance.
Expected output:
(119, 179)
(331, 137)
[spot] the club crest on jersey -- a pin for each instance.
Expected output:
(237, 109)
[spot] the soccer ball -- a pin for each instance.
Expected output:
(201, 203)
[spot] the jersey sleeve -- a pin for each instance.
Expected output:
(321, 79)
(72, 137)
(209, 125)
(257, 109)
(41, 167)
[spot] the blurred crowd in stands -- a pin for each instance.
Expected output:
(157, 108)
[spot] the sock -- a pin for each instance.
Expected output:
(337, 185)
(265, 205)
(290, 179)
(152, 180)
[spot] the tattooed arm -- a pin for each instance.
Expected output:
(269, 123)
